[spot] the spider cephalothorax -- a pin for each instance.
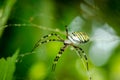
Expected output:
(72, 39)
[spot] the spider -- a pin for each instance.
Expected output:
(73, 39)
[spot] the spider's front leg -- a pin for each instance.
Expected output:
(58, 56)
(47, 36)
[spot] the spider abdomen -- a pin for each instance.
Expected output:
(78, 37)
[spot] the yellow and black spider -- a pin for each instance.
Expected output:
(73, 39)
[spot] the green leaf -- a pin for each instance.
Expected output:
(5, 12)
(7, 67)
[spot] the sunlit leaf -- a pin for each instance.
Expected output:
(7, 67)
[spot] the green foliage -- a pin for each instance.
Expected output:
(5, 12)
(7, 67)
(24, 22)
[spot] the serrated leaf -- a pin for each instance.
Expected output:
(7, 67)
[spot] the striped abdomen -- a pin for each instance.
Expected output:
(78, 37)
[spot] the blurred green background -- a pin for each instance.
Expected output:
(36, 18)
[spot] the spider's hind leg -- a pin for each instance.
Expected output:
(57, 57)
(79, 50)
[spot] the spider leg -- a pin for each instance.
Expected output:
(66, 31)
(49, 35)
(42, 42)
(46, 41)
(58, 56)
(46, 36)
(85, 57)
